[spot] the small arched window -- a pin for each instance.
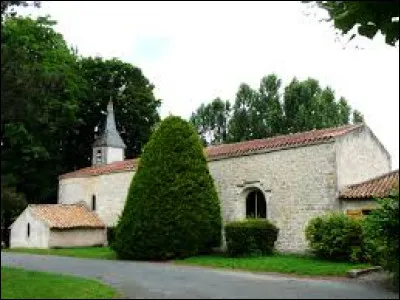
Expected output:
(28, 230)
(256, 206)
(94, 202)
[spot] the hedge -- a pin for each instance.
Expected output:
(250, 237)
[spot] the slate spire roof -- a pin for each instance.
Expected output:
(109, 136)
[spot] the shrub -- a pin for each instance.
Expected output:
(336, 237)
(172, 208)
(381, 234)
(110, 235)
(250, 237)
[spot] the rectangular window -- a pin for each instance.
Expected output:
(93, 202)
(354, 213)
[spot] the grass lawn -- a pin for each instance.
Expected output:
(22, 284)
(87, 252)
(280, 263)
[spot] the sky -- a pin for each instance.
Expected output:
(194, 52)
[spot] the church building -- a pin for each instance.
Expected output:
(286, 179)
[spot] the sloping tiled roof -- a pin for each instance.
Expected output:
(297, 139)
(380, 186)
(66, 216)
(118, 166)
(230, 150)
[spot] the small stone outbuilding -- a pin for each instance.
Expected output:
(359, 199)
(57, 225)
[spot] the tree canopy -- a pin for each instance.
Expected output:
(370, 17)
(52, 100)
(272, 109)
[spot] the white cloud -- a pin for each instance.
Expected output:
(206, 49)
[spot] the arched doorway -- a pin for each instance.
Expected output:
(256, 206)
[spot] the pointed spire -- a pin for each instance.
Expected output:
(110, 136)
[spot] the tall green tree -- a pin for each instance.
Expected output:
(270, 106)
(344, 110)
(358, 117)
(240, 125)
(211, 121)
(369, 16)
(135, 106)
(263, 113)
(39, 96)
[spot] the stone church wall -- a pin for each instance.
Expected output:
(110, 191)
(360, 156)
(299, 184)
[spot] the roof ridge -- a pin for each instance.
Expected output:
(293, 134)
(302, 138)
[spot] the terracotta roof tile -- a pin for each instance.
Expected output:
(118, 166)
(297, 139)
(66, 216)
(380, 186)
(230, 150)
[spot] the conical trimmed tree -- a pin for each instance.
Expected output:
(172, 208)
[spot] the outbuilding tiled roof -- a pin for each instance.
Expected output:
(379, 187)
(230, 150)
(66, 216)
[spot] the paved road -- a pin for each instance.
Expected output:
(166, 281)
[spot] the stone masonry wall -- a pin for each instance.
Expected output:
(360, 156)
(358, 204)
(39, 232)
(110, 191)
(299, 184)
(77, 237)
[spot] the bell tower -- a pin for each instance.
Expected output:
(108, 147)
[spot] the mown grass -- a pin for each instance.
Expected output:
(280, 263)
(22, 284)
(84, 252)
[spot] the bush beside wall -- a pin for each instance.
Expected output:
(250, 237)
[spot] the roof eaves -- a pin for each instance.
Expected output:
(328, 140)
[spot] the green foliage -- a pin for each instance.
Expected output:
(51, 102)
(264, 113)
(336, 237)
(172, 208)
(10, 5)
(39, 95)
(240, 128)
(381, 231)
(250, 237)
(369, 16)
(211, 121)
(135, 107)
(357, 117)
(110, 235)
